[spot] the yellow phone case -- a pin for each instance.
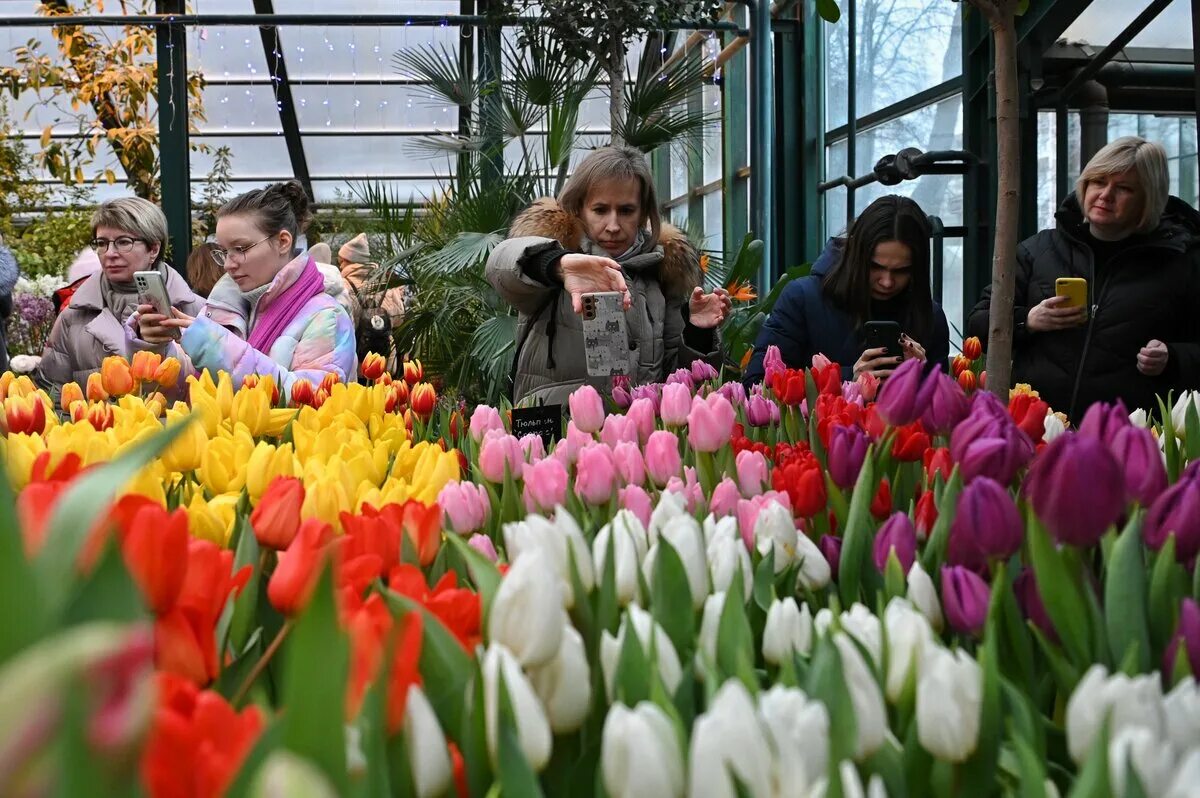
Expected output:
(1073, 287)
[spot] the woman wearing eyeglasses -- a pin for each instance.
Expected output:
(129, 235)
(271, 312)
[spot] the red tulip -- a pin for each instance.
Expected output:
(368, 627)
(789, 386)
(459, 609)
(926, 514)
(373, 366)
(303, 393)
(959, 364)
(967, 380)
(972, 348)
(404, 671)
(423, 400)
(276, 518)
(937, 461)
(423, 525)
(803, 479)
(881, 505)
(413, 372)
(911, 443)
(155, 546)
(1030, 414)
(299, 567)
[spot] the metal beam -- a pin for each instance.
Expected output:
(762, 134)
(1139, 24)
(933, 94)
(1196, 49)
(812, 128)
(735, 145)
(277, 66)
(174, 165)
(789, 142)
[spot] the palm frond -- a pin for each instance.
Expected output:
(491, 349)
(395, 217)
(440, 67)
(656, 110)
(467, 251)
(444, 145)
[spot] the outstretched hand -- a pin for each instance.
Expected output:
(709, 310)
(592, 274)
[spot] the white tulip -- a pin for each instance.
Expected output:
(729, 741)
(555, 538)
(710, 625)
(823, 621)
(815, 572)
(715, 527)
(1126, 702)
(852, 786)
(1052, 427)
(909, 637)
(1186, 783)
(1181, 710)
(564, 684)
(775, 528)
(533, 730)
(283, 773)
(865, 627)
(924, 597)
(1152, 760)
(726, 555)
(655, 644)
(788, 629)
(670, 505)
(640, 755)
(1140, 418)
(949, 704)
(870, 714)
(527, 615)
(1179, 411)
(628, 542)
(799, 730)
(428, 756)
(686, 537)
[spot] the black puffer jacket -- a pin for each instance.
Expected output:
(1149, 291)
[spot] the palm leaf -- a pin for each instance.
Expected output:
(491, 349)
(466, 251)
(440, 67)
(443, 145)
(656, 109)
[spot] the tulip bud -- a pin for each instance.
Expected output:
(1077, 489)
(644, 416)
(988, 443)
(897, 534)
(651, 636)
(986, 525)
(905, 394)
(595, 475)
(761, 412)
(1139, 750)
(831, 548)
(628, 545)
(909, 639)
(870, 714)
(498, 454)
(635, 499)
(276, 517)
(527, 612)
(287, 774)
(729, 741)
(587, 409)
(423, 400)
(558, 540)
(798, 727)
(620, 429)
(788, 629)
(965, 597)
(670, 505)
(847, 451)
(1053, 427)
(735, 392)
(564, 684)
(1140, 418)
(373, 366)
(115, 375)
(640, 755)
(923, 596)
(752, 472)
(413, 372)
(948, 405)
(686, 538)
(465, 506)
(1103, 421)
(532, 727)
(1137, 453)
(299, 567)
(1176, 512)
(949, 704)
(70, 394)
(725, 498)
(1181, 709)
(726, 556)
(710, 423)
(662, 457)
(676, 404)
(545, 485)
(710, 624)
(1126, 702)
(775, 529)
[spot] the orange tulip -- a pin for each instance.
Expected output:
(960, 364)
(385, 379)
(331, 379)
(71, 393)
(373, 366)
(167, 373)
(397, 398)
(95, 388)
(414, 372)
(319, 398)
(116, 376)
(972, 349)
(155, 546)
(303, 393)
(423, 400)
(423, 525)
(25, 414)
(276, 519)
(296, 575)
(254, 380)
(967, 380)
(144, 364)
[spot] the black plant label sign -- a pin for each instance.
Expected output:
(543, 420)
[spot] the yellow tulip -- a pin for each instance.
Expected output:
(266, 463)
(224, 394)
(202, 384)
(212, 520)
(20, 452)
(149, 483)
(186, 453)
(325, 498)
(395, 491)
(253, 409)
(368, 494)
(220, 471)
(6, 379)
(22, 386)
(438, 469)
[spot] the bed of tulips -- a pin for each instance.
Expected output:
(818, 588)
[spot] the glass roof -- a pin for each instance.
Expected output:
(1103, 20)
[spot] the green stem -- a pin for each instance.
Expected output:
(262, 663)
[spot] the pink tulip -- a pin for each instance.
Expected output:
(725, 498)
(676, 402)
(484, 420)
(568, 448)
(465, 506)
(735, 392)
(751, 472)
(682, 377)
(820, 361)
(618, 429)
(630, 465)
(662, 457)
(595, 474)
(689, 488)
(635, 499)
(483, 545)
(620, 392)
(587, 409)
(644, 416)
(652, 392)
(772, 363)
(761, 412)
(545, 485)
(868, 386)
(500, 451)
(852, 393)
(533, 447)
(710, 423)
(702, 371)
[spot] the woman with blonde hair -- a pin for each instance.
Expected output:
(1138, 335)
(603, 234)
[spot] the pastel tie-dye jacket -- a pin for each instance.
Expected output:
(319, 340)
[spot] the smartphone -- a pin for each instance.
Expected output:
(884, 335)
(605, 339)
(152, 290)
(1075, 289)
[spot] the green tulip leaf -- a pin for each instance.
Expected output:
(735, 640)
(826, 679)
(608, 611)
(858, 534)
(1093, 781)
(671, 599)
(632, 683)
(1031, 771)
(1167, 589)
(25, 622)
(242, 621)
(1191, 431)
(1061, 593)
(764, 580)
(1125, 597)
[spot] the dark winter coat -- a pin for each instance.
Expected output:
(804, 322)
(1149, 291)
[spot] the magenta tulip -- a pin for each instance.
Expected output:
(595, 474)
(587, 409)
(986, 525)
(1140, 458)
(905, 394)
(676, 403)
(965, 599)
(710, 423)
(630, 465)
(831, 548)
(635, 499)
(761, 412)
(484, 420)
(725, 498)
(735, 392)
(772, 363)
(1187, 634)
(622, 397)
(662, 457)
(619, 428)
(1176, 512)
(1077, 489)
(988, 443)
(847, 451)
(1104, 421)
(498, 453)
(752, 472)
(682, 377)
(897, 534)
(948, 404)
(545, 485)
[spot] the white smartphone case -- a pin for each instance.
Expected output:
(606, 342)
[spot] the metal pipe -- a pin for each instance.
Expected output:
(762, 131)
(1104, 56)
(937, 234)
(348, 20)
(851, 104)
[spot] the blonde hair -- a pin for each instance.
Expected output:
(135, 215)
(613, 163)
(1131, 152)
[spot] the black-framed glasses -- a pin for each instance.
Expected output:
(222, 255)
(124, 244)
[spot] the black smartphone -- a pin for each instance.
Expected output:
(885, 335)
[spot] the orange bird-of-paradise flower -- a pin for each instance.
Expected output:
(741, 292)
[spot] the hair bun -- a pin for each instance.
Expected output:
(297, 198)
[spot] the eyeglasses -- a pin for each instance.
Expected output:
(222, 255)
(124, 244)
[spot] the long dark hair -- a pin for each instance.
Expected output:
(848, 284)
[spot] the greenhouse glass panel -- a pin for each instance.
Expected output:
(952, 291)
(250, 156)
(1103, 20)
(365, 156)
(315, 52)
(714, 221)
(835, 70)
(371, 106)
(240, 108)
(903, 47)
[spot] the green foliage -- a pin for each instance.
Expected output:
(217, 186)
(50, 243)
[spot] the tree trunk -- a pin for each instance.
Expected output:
(616, 88)
(1008, 175)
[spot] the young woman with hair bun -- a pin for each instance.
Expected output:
(270, 313)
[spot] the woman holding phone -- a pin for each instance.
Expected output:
(874, 280)
(129, 235)
(1133, 249)
(270, 313)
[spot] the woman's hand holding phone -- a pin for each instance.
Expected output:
(591, 274)
(1050, 314)
(876, 362)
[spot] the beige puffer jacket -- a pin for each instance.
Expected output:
(550, 361)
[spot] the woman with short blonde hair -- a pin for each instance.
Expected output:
(1148, 160)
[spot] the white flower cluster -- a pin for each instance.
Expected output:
(43, 286)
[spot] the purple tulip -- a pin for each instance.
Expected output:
(1077, 489)
(761, 412)
(831, 547)
(1029, 599)
(905, 394)
(772, 363)
(1104, 421)
(1187, 634)
(735, 392)
(986, 525)
(948, 403)
(620, 392)
(682, 377)
(1176, 511)
(1138, 454)
(702, 371)
(965, 598)
(652, 393)
(988, 442)
(847, 450)
(897, 534)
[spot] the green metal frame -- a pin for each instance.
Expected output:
(173, 134)
(735, 143)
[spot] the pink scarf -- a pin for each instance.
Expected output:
(283, 309)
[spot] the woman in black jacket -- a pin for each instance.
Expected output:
(878, 272)
(1140, 333)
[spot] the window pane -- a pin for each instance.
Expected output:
(952, 289)
(240, 108)
(1103, 20)
(836, 68)
(904, 47)
(257, 156)
(714, 238)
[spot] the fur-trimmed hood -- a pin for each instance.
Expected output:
(678, 272)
